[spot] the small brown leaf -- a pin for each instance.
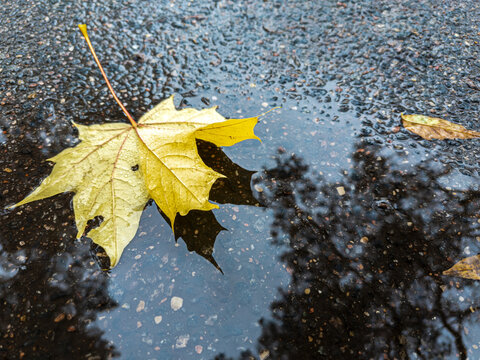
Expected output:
(434, 128)
(468, 268)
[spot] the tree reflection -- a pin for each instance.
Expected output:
(50, 289)
(366, 266)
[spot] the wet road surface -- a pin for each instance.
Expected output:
(338, 225)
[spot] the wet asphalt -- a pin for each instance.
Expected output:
(342, 72)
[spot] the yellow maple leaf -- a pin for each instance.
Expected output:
(117, 168)
(101, 170)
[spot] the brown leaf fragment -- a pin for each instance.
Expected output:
(468, 268)
(435, 128)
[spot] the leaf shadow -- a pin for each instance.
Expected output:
(199, 229)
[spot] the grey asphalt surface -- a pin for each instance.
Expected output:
(342, 73)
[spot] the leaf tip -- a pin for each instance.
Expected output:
(170, 102)
(79, 233)
(11, 207)
(172, 225)
(113, 262)
(449, 272)
(20, 203)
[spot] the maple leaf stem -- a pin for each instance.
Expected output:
(83, 29)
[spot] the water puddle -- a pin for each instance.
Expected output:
(332, 233)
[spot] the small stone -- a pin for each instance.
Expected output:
(141, 306)
(158, 319)
(258, 188)
(341, 190)
(198, 349)
(264, 354)
(176, 303)
(182, 341)
(211, 320)
(59, 317)
(364, 240)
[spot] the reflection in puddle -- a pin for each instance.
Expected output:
(366, 256)
(3, 138)
(50, 293)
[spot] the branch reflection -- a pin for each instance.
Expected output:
(51, 290)
(366, 264)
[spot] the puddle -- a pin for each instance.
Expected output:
(366, 262)
(332, 233)
(219, 313)
(356, 238)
